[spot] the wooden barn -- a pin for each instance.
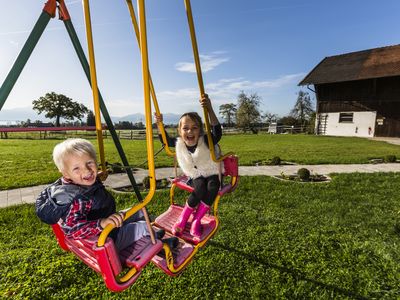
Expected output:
(358, 93)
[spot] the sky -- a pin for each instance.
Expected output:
(256, 46)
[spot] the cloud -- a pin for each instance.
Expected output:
(277, 96)
(208, 63)
(14, 32)
(275, 83)
(231, 86)
(225, 90)
(72, 2)
(14, 43)
(235, 85)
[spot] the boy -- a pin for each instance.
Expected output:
(80, 201)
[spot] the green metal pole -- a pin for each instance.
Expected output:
(82, 58)
(23, 57)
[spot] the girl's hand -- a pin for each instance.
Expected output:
(158, 118)
(115, 219)
(205, 102)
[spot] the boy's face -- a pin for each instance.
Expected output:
(189, 131)
(81, 169)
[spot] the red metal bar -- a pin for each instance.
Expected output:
(50, 8)
(26, 129)
(63, 13)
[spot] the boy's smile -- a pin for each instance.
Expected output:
(81, 169)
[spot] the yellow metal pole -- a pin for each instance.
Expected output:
(153, 93)
(194, 46)
(200, 77)
(149, 129)
(147, 103)
(93, 79)
(200, 81)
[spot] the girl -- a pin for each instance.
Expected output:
(194, 159)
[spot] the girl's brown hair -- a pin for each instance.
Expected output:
(194, 116)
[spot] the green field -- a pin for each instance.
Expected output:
(277, 240)
(28, 162)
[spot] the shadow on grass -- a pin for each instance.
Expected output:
(298, 275)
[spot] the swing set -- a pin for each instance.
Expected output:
(120, 270)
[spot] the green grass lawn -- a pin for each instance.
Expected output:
(28, 162)
(278, 240)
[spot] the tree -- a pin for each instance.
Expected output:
(289, 121)
(90, 119)
(303, 108)
(124, 125)
(25, 124)
(248, 114)
(270, 117)
(59, 106)
(228, 112)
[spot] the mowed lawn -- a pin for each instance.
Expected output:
(277, 240)
(29, 162)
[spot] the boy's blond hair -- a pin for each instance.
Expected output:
(72, 146)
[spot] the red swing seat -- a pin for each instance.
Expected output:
(188, 244)
(169, 217)
(106, 260)
(231, 167)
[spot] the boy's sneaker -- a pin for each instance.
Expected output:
(160, 234)
(172, 242)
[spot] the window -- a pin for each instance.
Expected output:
(345, 117)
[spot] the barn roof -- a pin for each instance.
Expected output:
(372, 63)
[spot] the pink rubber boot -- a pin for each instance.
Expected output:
(179, 226)
(195, 230)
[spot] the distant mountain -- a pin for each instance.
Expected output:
(135, 118)
(22, 114)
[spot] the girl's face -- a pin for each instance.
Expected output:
(189, 131)
(81, 169)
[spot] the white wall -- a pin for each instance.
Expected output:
(363, 124)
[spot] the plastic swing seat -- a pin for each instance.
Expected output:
(106, 260)
(188, 245)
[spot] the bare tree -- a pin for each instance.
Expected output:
(228, 112)
(270, 117)
(248, 113)
(303, 108)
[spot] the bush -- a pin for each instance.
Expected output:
(304, 174)
(115, 168)
(146, 182)
(164, 183)
(276, 160)
(390, 158)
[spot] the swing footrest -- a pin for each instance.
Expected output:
(171, 216)
(181, 255)
(140, 253)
